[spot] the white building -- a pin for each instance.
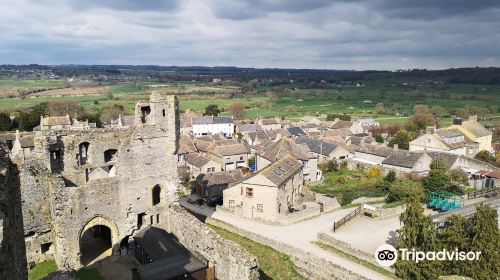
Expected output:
(210, 125)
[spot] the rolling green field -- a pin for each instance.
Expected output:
(30, 84)
(357, 101)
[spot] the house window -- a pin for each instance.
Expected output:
(429, 140)
(231, 203)
(241, 188)
(241, 158)
(250, 192)
(260, 208)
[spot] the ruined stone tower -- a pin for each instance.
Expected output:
(12, 250)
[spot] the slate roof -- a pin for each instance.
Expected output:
(280, 171)
(283, 147)
(228, 148)
(269, 121)
(317, 146)
(296, 131)
(196, 159)
(248, 127)
(220, 178)
(403, 158)
(212, 120)
(186, 145)
(342, 132)
(476, 128)
(170, 259)
(375, 150)
(447, 158)
(341, 124)
(273, 134)
(451, 133)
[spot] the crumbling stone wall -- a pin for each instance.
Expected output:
(100, 190)
(12, 249)
(35, 181)
(230, 260)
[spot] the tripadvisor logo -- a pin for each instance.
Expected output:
(387, 255)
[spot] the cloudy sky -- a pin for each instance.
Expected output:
(333, 34)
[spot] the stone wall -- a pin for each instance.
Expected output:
(346, 247)
(230, 260)
(310, 266)
(12, 249)
(35, 181)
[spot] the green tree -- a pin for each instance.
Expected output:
(437, 111)
(403, 188)
(212, 110)
(485, 156)
(402, 138)
(420, 122)
(390, 177)
(111, 112)
(378, 138)
(421, 109)
(438, 178)
(418, 232)
(5, 122)
(455, 236)
(31, 118)
(484, 238)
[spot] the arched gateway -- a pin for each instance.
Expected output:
(96, 239)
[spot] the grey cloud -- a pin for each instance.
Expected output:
(128, 5)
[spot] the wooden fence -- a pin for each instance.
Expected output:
(484, 192)
(346, 218)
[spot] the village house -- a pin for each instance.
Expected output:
(248, 128)
(256, 138)
(367, 123)
(230, 154)
(296, 131)
(352, 126)
(268, 124)
(210, 125)
(277, 150)
(407, 162)
(213, 184)
(475, 131)
(199, 164)
(323, 150)
(449, 140)
(268, 194)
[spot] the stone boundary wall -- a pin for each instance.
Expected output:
(391, 212)
(329, 203)
(231, 261)
(312, 210)
(344, 246)
(308, 265)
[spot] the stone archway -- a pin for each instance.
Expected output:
(96, 240)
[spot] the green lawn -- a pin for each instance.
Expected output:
(30, 84)
(355, 259)
(272, 264)
(45, 268)
(348, 185)
(42, 269)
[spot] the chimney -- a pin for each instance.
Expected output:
(17, 134)
(395, 147)
(430, 129)
(473, 118)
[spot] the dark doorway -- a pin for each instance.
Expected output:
(95, 244)
(156, 195)
(145, 111)
(56, 161)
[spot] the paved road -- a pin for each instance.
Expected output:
(301, 235)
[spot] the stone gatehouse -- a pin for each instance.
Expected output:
(109, 182)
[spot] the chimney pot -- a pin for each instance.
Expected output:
(395, 147)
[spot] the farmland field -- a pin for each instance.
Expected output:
(357, 101)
